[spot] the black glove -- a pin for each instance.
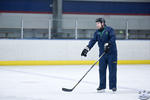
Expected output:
(106, 47)
(85, 51)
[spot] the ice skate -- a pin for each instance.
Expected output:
(99, 90)
(114, 90)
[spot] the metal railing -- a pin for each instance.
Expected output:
(70, 28)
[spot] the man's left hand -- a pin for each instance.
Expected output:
(106, 47)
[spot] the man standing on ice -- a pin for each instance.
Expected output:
(106, 39)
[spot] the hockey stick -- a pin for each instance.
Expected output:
(70, 90)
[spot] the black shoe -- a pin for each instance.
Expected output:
(114, 89)
(100, 90)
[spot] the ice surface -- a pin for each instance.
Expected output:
(46, 83)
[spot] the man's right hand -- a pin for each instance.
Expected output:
(85, 51)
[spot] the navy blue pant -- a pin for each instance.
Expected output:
(109, 60)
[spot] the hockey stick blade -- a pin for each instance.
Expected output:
(66, 90)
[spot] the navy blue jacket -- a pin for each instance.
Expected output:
(106, 36)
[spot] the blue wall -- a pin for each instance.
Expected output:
(41, 6)
(83, 7)
(106, 7)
